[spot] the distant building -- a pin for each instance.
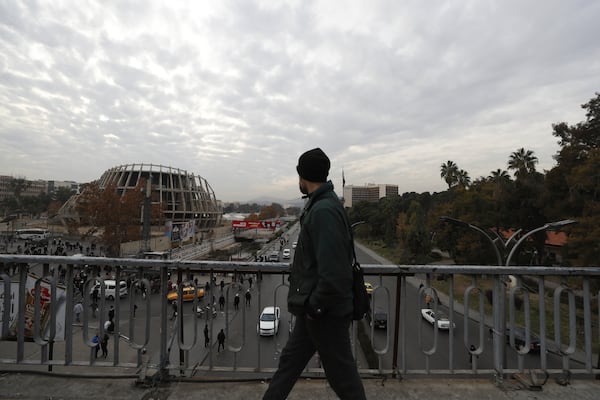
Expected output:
(181, 196)
(29, 189)
(370, 192)
(55, 185)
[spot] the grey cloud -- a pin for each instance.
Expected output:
(391, 90)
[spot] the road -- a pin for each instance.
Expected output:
(416, 327)
(246, 349)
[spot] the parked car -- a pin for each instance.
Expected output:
(442, 320)
(380, 319)
(520, 336)
(286, 254)
(294, 245)
(202, 310)
(110, 289)
(268, 322)
(187, 294)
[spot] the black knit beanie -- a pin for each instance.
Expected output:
(314, 165)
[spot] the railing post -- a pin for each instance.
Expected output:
(164, 354)
(397, 325)
(499, 320)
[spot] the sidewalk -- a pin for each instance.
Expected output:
(34, 386)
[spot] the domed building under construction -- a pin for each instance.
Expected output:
(182, 197)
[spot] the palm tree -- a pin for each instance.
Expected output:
(500, 177)
(463, 178)
(523, 162)
(449, 172)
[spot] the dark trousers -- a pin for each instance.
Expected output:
(331, 338)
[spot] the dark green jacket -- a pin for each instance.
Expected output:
(321, 273)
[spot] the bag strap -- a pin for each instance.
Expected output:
(349, 227)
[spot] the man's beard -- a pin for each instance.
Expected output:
(303, 189)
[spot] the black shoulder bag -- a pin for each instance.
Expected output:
(361, 298)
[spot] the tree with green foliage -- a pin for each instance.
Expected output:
(413, 235)
(574, 184)
(462, 179)
(523, 162)
(449, 173)
(62, 194)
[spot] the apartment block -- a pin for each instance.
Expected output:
(370, 192)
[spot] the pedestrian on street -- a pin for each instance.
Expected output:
(104, 345)
(221, 339)
(248, 297)
(95, 296)
(109, 326)
(78, 309)
(174, 306)
(111, 313)
(206, 337)
(320, 293)
(96, 341)
(472, 354)
(221, 301)
(236, 301)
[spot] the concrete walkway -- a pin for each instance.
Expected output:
(35, 386)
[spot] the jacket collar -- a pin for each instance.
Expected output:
(314, 196)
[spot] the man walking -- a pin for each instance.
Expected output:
(96, 341)
(221, 340)
(206, 337)
(320, 294)
(78, 310)
(221, 302)
(236, 301)
(248, 297)
(104, 345)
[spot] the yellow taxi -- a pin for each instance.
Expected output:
(187, 294)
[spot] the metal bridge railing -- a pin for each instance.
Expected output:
(548, 321)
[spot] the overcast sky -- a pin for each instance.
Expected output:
(235, 91)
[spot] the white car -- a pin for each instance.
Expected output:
(286, 254)
(268, 323)
(110, 289)
(442, 320)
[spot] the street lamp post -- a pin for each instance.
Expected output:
(550, 225)
(499, 311)
(483, 233)
(499, 320)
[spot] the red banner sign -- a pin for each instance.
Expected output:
(255, 224)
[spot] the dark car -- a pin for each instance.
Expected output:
(380, 319)
(520, 336)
